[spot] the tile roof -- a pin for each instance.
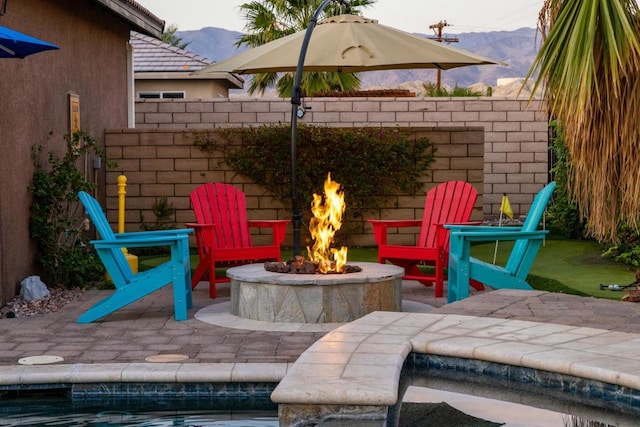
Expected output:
(138, 17)
(153, 55)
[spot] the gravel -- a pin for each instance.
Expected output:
(59, 297)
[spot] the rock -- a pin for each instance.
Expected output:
(18, 307)
(33, 289)
(298, 265)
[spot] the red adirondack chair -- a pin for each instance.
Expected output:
(222, 232)
(447, 203)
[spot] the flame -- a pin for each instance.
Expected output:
(326, 221)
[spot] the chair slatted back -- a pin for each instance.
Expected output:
(447, 203)
(116, 258)
(224, 206)
(539, 205)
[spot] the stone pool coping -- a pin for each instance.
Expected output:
(359, 364)
(142, 373)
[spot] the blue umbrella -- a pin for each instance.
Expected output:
(17, 45)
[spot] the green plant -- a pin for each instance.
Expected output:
(372, 164)
(269, 20)
(57, 222)
(589, 68)
(164, 212)
(432, 90)
(564, 214)
(627, 251)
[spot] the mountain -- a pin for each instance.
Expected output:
(516, 48)
(213, 43)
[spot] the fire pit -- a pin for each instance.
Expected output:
(323, 289)
(259, 294)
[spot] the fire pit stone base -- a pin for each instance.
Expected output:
(314, 298)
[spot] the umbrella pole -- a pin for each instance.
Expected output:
(296, 96)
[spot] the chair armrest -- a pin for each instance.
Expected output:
(442, 232)
(140, 242)
(270, 223)
(504, 235)
(380, 227)
(152, 234)
(197, 226)
(395, 223)
(279, 227)
(456, 228)
(459, 224)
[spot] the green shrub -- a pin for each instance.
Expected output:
(432, 90)
(57, 222)
(627, 250)
(564, 215)
(164, 212)
(373, 165)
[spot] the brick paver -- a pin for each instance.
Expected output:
(147, 328)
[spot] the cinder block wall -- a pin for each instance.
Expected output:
(515, 140)
(165, 162)
(499, 145)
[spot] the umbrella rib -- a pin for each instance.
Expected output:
(366, 49)
(6, 49)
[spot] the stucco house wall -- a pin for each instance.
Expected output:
(192, 88)
(93, 63)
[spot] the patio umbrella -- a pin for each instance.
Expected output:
(350, 44)
(14, 44)
(343, 43)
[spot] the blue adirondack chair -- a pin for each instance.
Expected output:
(131, 287)
(463, 267)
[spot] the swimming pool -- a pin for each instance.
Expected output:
(508, 394)
(57, 407)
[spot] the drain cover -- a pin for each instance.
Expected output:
(164, 358)
(40, 360)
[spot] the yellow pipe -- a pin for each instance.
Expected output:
(122, 184)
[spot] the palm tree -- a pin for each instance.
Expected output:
(268, 20)
(169, 36)
(589, 67)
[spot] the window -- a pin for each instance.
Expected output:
(161, 95)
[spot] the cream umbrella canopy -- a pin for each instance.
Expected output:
(349, 44)
(343, 43)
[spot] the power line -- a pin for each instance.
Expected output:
(437, 29)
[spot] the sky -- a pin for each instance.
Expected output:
(413, 16)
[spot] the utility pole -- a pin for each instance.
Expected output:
(437, 29)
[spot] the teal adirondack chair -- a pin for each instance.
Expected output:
(131, 287)
(463, 267)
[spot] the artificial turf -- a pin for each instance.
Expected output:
(569, 266)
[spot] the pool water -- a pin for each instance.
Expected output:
(511, 396)
(422, 405)
(465, 407)
(142, 418)
(56, 408)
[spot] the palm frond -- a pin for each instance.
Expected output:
(589, 67)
